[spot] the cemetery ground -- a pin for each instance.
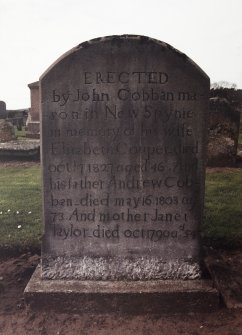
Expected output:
(20, 233)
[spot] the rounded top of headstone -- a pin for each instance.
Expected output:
(118, 42)
(3, 112)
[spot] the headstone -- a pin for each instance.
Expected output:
(3, 112)
(224, 124)
(7, 132)
(33, 121)
(34, 98)
(124, 123)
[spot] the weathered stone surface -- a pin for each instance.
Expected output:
(104, 268)
(20, 149)
(33, 130)
(131, 297)
(33, 121)
(35, 102)
(6, 131)
(224, 123)
(124, 122)
(3, 112)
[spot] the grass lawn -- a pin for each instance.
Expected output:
(223, 209)
(20, 133)
(20, 209)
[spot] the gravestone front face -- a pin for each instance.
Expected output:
(3, 112)
(124, 125)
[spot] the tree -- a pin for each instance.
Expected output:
(224, 89)
(223, 84)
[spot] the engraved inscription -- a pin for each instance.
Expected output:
(113, 180)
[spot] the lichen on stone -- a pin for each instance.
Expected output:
(100, 268)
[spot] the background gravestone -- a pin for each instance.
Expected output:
(7, 132)
(6, 128)
(124, 124)
(3, 112)
(224, 122)
(33, 121)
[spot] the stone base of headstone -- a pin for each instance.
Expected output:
(33, 136)
(33, 129)
(20, 149)
(128, 297)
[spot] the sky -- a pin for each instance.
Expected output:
(34, 33)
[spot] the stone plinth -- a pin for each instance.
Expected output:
(20, 149)
(33, 130)
(128, 297)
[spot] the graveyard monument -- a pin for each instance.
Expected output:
(6, 128)
(123, 147)
(3, 111)
(33, 121)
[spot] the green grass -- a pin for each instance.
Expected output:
(20, 208)
(223, 210)
(20, 133)
(240, 138)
